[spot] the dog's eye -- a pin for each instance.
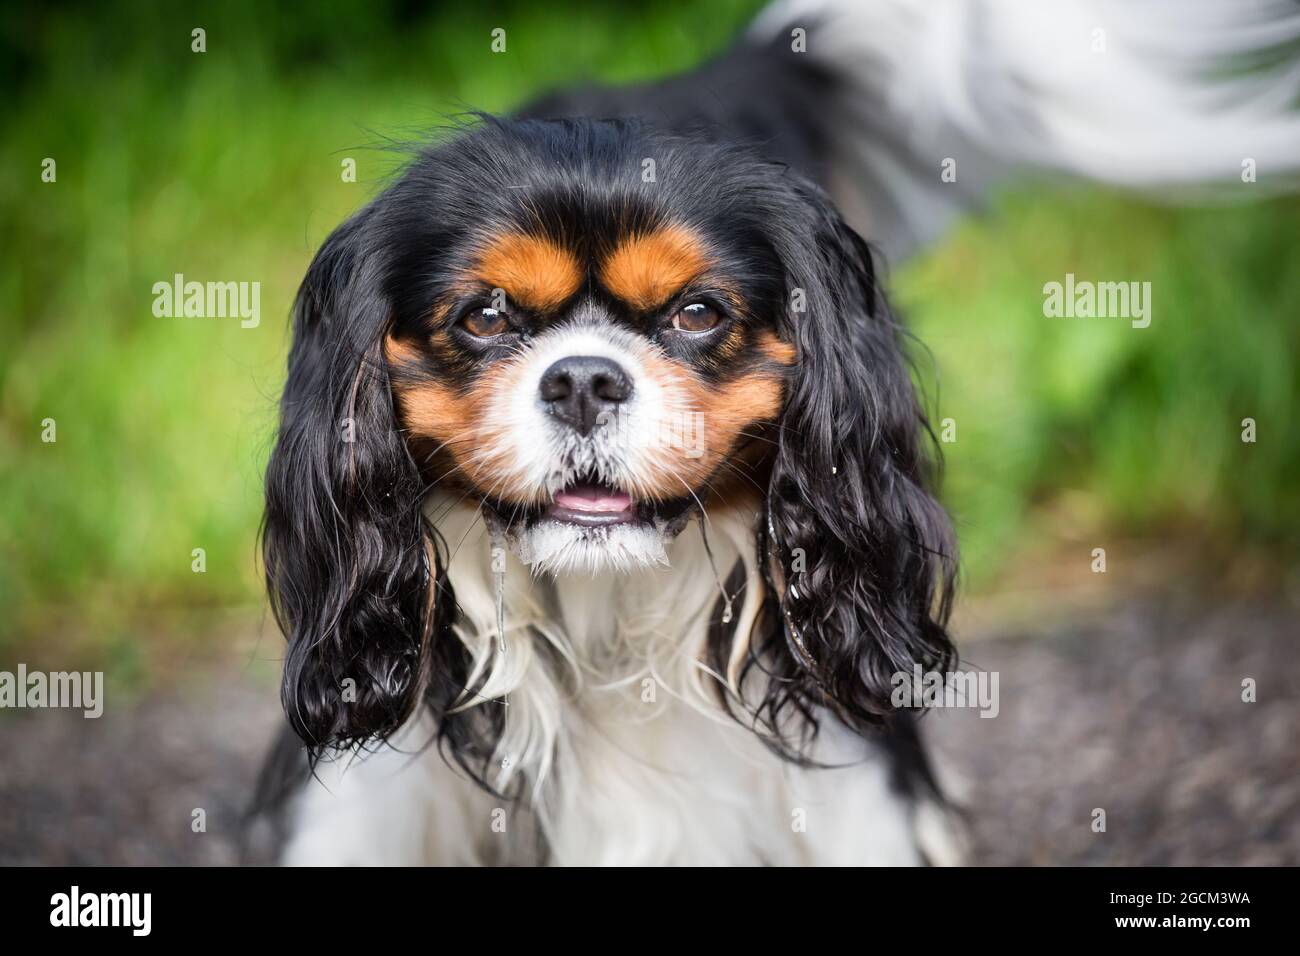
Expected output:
(485, 323)
(696, 317)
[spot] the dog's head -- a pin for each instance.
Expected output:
(593, 331)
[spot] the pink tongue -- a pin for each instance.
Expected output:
(592, 498)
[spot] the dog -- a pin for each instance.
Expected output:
(602, 515)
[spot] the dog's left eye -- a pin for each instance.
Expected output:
(696, 317)
(485, 323)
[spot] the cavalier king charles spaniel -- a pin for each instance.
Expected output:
(602, 513)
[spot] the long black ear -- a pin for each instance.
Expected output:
(347, 558)
(860, 556)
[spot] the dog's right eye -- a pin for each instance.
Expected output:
(485, 323)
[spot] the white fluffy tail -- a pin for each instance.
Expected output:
(1173, 95)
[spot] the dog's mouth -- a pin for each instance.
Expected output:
(591, 525)
(592, 502)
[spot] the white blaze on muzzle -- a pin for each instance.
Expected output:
(629, 447)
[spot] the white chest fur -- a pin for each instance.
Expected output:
(613, 725)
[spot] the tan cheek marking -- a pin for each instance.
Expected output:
(459, 423)
(741, 405)
(645, 271)
(776, 350)
(533, 271)
(426, 409)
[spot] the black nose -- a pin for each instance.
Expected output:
(579, 388)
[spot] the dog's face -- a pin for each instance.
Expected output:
(592, 331)
(591, 362)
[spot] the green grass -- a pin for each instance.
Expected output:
(1139, 427)
(226, 165)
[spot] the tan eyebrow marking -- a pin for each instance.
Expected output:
(533, 271)
(648, 269)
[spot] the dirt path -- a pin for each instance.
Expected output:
(1137, 712)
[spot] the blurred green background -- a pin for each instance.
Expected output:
(226, 165)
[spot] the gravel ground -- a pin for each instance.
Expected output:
(121, 790)
(1137, 711)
